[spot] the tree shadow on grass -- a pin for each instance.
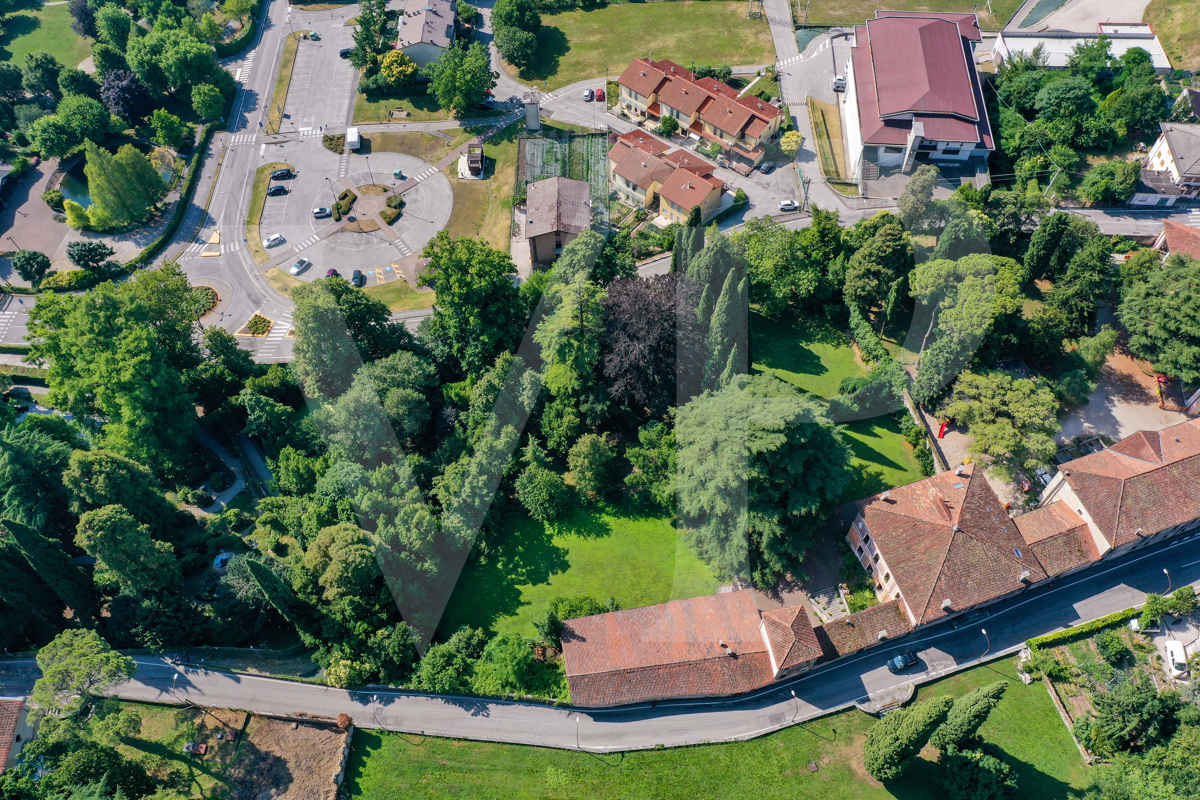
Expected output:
(16, 26)
(257, 772)
(923, 779)
(488, 589)
(552, 45)
(872, 431)
(586, 523)
(781, 344)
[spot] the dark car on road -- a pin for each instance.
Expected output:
(358, 279)
(281, 174)
(902, 662)
(766, 168)
(332, 273)
(275, 191)
(344, 52)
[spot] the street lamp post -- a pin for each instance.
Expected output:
(1167, 572)
(989, 641)
(577, 718)
(797, 711)
(369, 173)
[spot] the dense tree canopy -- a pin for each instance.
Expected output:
(1160, 313)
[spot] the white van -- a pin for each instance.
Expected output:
(352, 139)
(1176, 659)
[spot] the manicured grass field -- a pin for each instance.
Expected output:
(588, 43)
(282, 82)
(1178, 27)
(857, 11)
(816, 356)
(30, 29)
(483, 209)
(425, 146)
(614, 552)
(1024, 725)
(420, 108)
(399, 296)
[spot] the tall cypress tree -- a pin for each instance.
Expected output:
(278, 594)
(54, 567)
(145, 185)
(720, 332)
(107, 183)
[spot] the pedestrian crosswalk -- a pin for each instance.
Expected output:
(787, 62)
(343, 165)
(279, 331)
(201, 247)
(420, 176)
(243, 138)
(309, 242)
(7, 318)
(404, 249)
(1194, 217)
(244, 72)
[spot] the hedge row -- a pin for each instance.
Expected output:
(185, 198)
(15, 349)
(72, 280)
(739, 202)
(239, 42)
(34, 375)
(864, 336)
(1061, 637)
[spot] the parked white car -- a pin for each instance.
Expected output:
(788, 205)
(300, 266)
(274, 240)
(1176, 659)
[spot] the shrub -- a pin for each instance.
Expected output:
(345, 202)
(1110, 646)
(1086, 629)
(924, 460)
(1044, 662)
(591, 463)
(334, 142)
(389, 215)
(395, 201)
(54, 198)
(74, 280)
(258, 325)
(1183, 600)
(544, 494)
(1153, 610)
(77, 216)
(561, 609)
(864, 336)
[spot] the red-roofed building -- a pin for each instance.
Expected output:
(1176, 237)
(791, 641)
(1142, 489)
(703, 647)
(15, 732)
(643, 173)
(942, 545)
(913, 92)
(705, 108)
(684, 190)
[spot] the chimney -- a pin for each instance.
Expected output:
(886, 496)
(1024, 576)
(946, 606)
(943, 509)
(883, 635)
(727, 648)
(960, 470)
(957, 529)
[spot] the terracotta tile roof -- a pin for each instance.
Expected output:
(862, 630)
(684, 96)
(921, 67)
(716, 88)
(618, 152)
(686, 189)
(682, 159)
(664, 651)
(644, 141)
(726, 115)
(647, 77)
(1141, 485)
(1181, 238)
(557, 204)
(1059, 537)
(642, 169)
(429, 21)
(759, 107)
(10, 714)
(948, 537)
(791, 636)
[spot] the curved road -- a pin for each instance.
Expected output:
(1102, 590)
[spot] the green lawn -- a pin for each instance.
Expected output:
(856, 11)
(602, 40)
(1024, 725)
(614, 552)
(816, 356)
(29, 29)
(1178, 26)
(399, 296)
(420, 108)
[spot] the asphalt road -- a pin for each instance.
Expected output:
(942, 649)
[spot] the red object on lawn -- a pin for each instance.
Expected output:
(942, 430)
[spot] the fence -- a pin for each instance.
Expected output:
(580, 156)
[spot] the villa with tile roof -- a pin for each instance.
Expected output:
(913, 93)
(1172, 169)
(426, 29)
(1175, 237)
(642, 171)
(706, 109)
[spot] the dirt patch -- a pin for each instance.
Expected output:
(374, 188)
(287, 761)
(361, 226)
(853, 755)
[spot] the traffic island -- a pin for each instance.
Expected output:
(258, 197)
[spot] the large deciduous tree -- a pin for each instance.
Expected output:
(460, 77)
(40, 74)
(782, 270)
(124, 95)
(479, 311)
(1011, 421)
(1054, 244)
(757, 463)
(1160, 313)
(77, 665)
(878, 267)
(125, 554)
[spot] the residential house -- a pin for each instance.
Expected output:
(1059, 46)
(15, 731)
(1178, 238)
(1142, 489)
(426, 29)
(1172, 170)
(864, 629)
(913, 94)
(707, 110)
(942, 545)
(556, 211)
(641, 171)
(710, 646)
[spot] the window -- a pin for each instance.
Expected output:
(950, 151)
(860, 551)
(866, 538)
(887, 577)
(875, 558)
